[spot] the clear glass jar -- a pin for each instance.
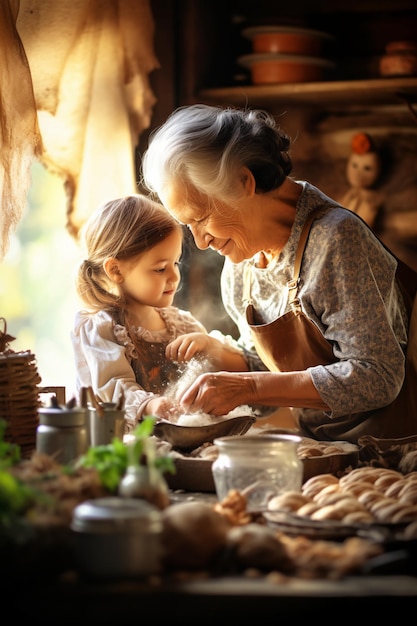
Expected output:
(259, 466)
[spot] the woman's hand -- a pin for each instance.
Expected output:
(217, 393)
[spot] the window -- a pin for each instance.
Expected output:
(37, 293)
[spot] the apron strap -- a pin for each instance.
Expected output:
(292, 284)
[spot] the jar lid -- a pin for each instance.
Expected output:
(62, 416)
(116, 515)
(104, 406)
(257, 441)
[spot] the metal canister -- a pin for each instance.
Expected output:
(105, 423)
(62, 433)
(118, 537)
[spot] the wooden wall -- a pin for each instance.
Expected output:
(198, 43)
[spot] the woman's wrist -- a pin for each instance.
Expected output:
(226, 356)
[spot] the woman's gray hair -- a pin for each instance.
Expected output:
(206, 146)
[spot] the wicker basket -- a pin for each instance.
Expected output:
(19, 395)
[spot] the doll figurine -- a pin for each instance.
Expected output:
(363, 169)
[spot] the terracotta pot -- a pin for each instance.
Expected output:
(400, 59)
(286, 40)
(282, 68)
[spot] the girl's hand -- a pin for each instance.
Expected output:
(163, 407)
(218, 393)
(185, 347)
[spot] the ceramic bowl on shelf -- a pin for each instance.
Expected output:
(284, 68)
(400, 59)
(286, 40)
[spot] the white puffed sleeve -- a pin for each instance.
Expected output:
(101, 363)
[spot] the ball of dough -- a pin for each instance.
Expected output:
(254, 545)
(193, 535)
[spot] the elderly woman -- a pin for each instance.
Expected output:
(316, 297)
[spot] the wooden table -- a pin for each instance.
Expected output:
(70, 598)
(238, 599)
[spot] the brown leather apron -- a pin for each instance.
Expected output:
(293, 342)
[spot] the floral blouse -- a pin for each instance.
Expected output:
(107, 360)
(347, 287)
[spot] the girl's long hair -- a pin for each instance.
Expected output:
(122, 228)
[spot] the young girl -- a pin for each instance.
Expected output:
(130, 339)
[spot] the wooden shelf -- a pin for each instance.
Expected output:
(323, 95)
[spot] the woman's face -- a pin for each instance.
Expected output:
(362, 170)
(214, 224)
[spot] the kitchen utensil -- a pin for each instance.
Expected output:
(191, 437)
(105, 423)
(195, 474)
(62, 433)
(192, 474)
(117, 537)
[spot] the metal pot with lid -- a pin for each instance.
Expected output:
(117, 537)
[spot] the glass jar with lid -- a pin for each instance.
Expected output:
(258, 466)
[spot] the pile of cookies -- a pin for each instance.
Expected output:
(366, 495)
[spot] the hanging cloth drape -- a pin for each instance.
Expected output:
(87, 78)
(20, 139)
